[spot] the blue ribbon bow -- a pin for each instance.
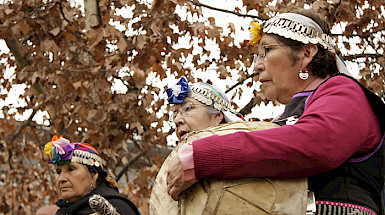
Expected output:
(178, 92)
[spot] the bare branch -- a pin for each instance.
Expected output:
(241, 82)
(16, 133)
(15, 47)
(352, 57)
(226, 11)
(130, 162)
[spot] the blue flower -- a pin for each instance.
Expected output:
(56, 156)
(177, 93)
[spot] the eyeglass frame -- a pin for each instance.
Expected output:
(175, 112)
(265, 48)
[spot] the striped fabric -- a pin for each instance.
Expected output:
(339, 208)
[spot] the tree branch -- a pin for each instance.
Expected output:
(352, 57)
(15, 47)
(22, 126)
(241, 82)
(130, 162)
(226, 11)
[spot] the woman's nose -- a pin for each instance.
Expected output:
(178, 119)
(258, 65)
(61, 178)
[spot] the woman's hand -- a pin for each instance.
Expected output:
(176, 182)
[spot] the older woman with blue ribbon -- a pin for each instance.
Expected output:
(198, 106)
(332, 129)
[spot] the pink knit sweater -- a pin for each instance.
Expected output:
(337, 123)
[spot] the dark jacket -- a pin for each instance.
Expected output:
(81, 206)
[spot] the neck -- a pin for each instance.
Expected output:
(315, 83)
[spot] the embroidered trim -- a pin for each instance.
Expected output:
(207, 97)
(346, 205)
(296, 31)
(87, 158)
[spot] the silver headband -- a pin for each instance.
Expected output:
(88, 158)
(300, 28)
(208, 97)
(303, 29)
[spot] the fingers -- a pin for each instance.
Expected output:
(175, 179)
(174, 193)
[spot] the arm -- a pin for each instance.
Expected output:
(337, 123)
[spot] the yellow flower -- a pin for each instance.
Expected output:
(48, 149)
(255, 33)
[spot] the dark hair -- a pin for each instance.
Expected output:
(324, 62)
(101, 177)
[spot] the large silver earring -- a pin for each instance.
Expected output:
(303, 75)
(92, 187)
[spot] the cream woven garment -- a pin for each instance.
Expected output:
(245, 196)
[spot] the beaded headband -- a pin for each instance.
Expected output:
(299, 28)
(303, 29)
(86, 158)
(293, 26)
(204, 93)
(208, 97)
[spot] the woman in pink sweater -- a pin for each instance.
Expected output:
(332, 127)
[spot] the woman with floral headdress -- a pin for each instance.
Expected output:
(81, 177)
(332, 127)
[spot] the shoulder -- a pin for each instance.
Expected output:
(342, 82)
(341, 86)
(121, 203)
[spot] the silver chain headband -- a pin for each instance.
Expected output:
(88, 158)
(299, 28)
(207, 97)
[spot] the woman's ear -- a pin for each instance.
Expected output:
(310, 50)
(95, 176)
(218, 117)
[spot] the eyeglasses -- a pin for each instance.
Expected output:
(262, 51)
(185, 108)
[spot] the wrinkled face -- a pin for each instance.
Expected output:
(277, 71)
(192, 115)
(74, 181)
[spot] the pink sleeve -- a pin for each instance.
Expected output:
(185, 154)
(337, 123)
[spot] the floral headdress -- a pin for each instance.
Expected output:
(62, 151)
(205, 93)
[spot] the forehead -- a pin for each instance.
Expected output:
(268, 39)
(72, 164)
(187, 99)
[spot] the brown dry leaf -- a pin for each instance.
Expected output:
(25, 28)
(50, 46)
(345, 11)
(55, 31)
(95, 36)
(69, 36)
(141, 41)
(222, 71)
(122, 44)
